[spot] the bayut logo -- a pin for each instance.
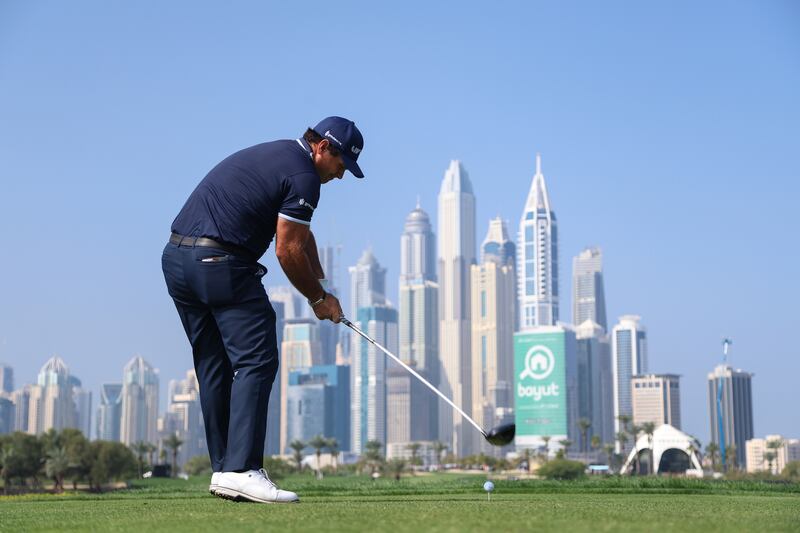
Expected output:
(539, 364)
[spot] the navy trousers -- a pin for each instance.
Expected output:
(231, 326)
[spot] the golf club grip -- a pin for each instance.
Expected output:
(413, 372)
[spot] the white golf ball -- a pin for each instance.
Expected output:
(488, 486)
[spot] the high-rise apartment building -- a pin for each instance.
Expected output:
(656, 399)
(51, 404)
(300, 349)
(588, 293)
(368, 400)
(418, 321)
(629, 358)
(6, 379)
(456, 232)
(184, 417)
(22, 402)
(6, 415)
(109, 412)
(82, 399)
(493, 309)
(783, 451)
(737, 408)
(139, 421)
(538, 257)
(595, 382)
(318, 399)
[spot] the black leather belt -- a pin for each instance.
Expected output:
(182, 240)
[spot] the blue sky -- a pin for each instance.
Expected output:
(668, 132)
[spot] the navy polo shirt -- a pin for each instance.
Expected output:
(240, 200)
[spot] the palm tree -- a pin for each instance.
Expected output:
(373, 454)
(584, 424)
(730, 456)
(649, 428)
(622, 438)
(151, 452)
(298, 446)
(712, 449)
(769, 457)
(333, 447)
(414, 449)
(625, 420)
(318, 442)
(774, 445)
(56, 467)
(173, 442)
(595, 443)
(396, 467)
(546, 439)
(565, 444)
(609, 449)
(438, 448)
(140, 449)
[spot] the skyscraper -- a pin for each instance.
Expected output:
(367, 283)
(418, 319)
(6, 414)
(184, 417)
(656, 399)
(82, 399)
(588, 293)
(456, 256)
(22, 402)
(51, 404)
(737, 408)
(417, 249)
(300, 349)
(595, 381)
(6, 379)
(319, 400)
(109, 412)
(629, 358)
(538, 257)
(368, 400)
(139, 402)
(493, 308)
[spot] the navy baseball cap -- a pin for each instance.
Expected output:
(343, 135)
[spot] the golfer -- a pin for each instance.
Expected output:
(267, 191)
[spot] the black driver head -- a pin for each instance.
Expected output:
(501, 435)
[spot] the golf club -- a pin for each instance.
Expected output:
(499, 436)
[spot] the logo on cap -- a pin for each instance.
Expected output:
(355, 149)
(329, 134)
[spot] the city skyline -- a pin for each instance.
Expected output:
(658, 126)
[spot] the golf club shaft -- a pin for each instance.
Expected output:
(413, 372)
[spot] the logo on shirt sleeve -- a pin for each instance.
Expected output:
(306, 204)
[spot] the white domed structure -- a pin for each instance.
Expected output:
(674, 452)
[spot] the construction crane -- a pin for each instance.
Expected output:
(721, 426)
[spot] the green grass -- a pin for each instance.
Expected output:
(444, 502)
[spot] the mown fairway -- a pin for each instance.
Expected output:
(432, 503)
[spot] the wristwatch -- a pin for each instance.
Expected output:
(322, 299)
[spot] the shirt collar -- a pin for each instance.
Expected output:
(304, 145)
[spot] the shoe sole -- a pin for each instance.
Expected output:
(236, 496)
(213, 489)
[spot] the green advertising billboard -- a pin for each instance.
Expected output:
(540, 387)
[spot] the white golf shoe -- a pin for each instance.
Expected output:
(254, 486)
(212, 488)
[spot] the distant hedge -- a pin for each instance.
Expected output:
(562, 469)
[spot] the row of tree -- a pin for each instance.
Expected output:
(59, 457)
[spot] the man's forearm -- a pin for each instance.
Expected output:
(313, 256)
(295, 262)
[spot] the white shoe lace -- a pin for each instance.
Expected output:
(266, 476)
